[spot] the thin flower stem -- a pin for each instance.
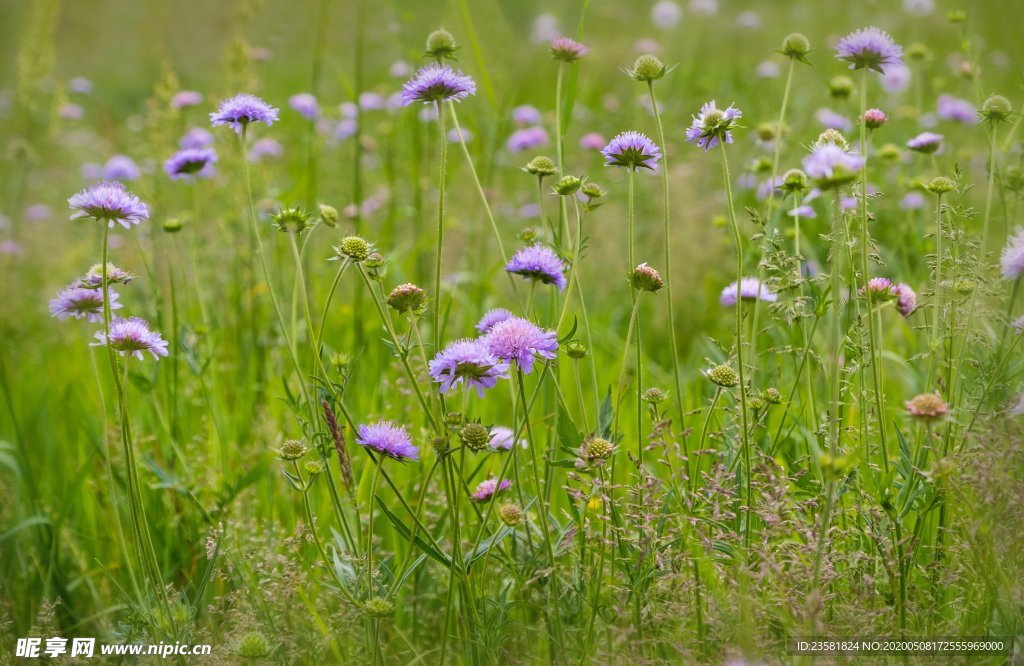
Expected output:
(442, 179)
(369, 527)
(937, 305)
(703, 438)
(835, 271)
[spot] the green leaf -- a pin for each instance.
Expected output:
(420, 542)
(28, 522)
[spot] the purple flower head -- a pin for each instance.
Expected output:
(538, 262)
(804, 211)
(526, 115)
(520, 340)
(666, 14)
(632, 150)
(132, 336)
(896, 79)
(242, 109)
(488, 488)
(196, 137)
(712, 125)
(1018, 324)
(869, 47)
(371, 101)
(80, 85)
(38, 212)
(527, 139)
(71, 111)
(832, 166)
(492, 317)
(186, 98)
(1012, 258)
(501, 439)
(191, 164)
(110, 202)
(467, 362)
(881, 289)
(767, 69)
(345, 128)
(956, 109)
(750, 289)
(306, 105)
(400, 69)
(906, 299)
(386, 438)
(437, 83)
(81, 303)
(120, 167)
(925, 142)
(265, 148)
(567, 50)
(912, 201)
(592, 141)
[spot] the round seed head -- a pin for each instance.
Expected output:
(253, 645)
(292, 449)
(655, 396)
(441, 44)
(941, 185)
(510, 514)
(597, 448)
(724, 376)
(355, 248)
(648, 68)
(379, 607)
(996, 108)
(475, 436)
(796, 45)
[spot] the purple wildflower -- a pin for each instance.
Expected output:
(912, 201)
(954, 108)
(829, 119)
(527, 139)
(437, 83)
(1018, 324)
(488, 488)
(71, 111)
(81, 303)
(592, 141)
(386, 438)
(371, 101)
(750, 289)
(712, 125)
(186, 98)
(830, 165)
(80, 85)
(306, 105)
(121, 167)
(520, 340)
(110, 202)
(896, 79)
(1012, 258)
(566, 49)
(468, 362)
(804, 211)
(502, 439)
(240, 110)
(767, 69)
(196, 137)
(265, 148)
(132, 336)
(492, 317)
(906, 299)
(881, 288)
(925, 142)
(632, 150)
(526, 115)
(191, 164)
(538, 262)
(869, 47)
(666, 14)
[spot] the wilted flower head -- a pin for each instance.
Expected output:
(132, 336)
(645, 278)
(467, 362)
(538, 262)
(488, 488)
(906, 299)
(712, 125)
(407, 298)
(242, 109)
(109, 202)
(386, 438)
(925, 142)
(869, 47)
(832, 166)
(750, 289)
(93, 279)
(492, 317)
(1012, 257)
(437, 83)
(567, 50)
(517, 339)
(927, 406)
(632, 150)
(191, 163)
(306, 105)
(81, 303)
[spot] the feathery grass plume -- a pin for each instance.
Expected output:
(338, 437)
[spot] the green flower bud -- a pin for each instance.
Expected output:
(996, 108)
(379, 607)
(891, 153)
(592, 190)
(773, 396)
(645, 278)
(840, 87)
(941, 185)
(172, 225)
(794, 181)
(724, 376)
(648, 68)
(354, 247)
(475, 436)
(576, 349)
(329, 215)
(374, 260)
(655, 396)
(541, 166)
(291, 220)
(832, 136)
(510, 514)
(597, 448)
(440, 45)
(314, 467)
(919, 52)
(796, 46)
(568, 185)
(291, 449)
(253, 645)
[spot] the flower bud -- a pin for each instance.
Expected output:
(794, 181)
(314, 467)
(253, 645)
(832, 136)
(354, 247)
(291, 449)
(756, 403)
(919, 52)
(645, 278)
(475, 436)
(440, 45)
(927, 407)
(655, 396)
(407, 298)
(648, 68)
(541, 166)
(996, 108)
(772, 396)
(374, 260)
(766, 131)
(890, 152)
(172, 225)
(724, 376)
(454, 419)
(528, 234)
(874, 118)
(576, 349)
(956, 16)
(941, 185)
(840, 87)
(291, 220)
(567, 185)
(597, 448)
(592, 190)
(796, 46)
(379, 607)
(510, 514)
(329, 215)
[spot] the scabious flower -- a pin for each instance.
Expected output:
(538, 262)
(927, 407)
(712, 125)
(80, 85)
(1012, 258)
(912, 201)
(1018, 324)
(191, 164)
(526, 115)
(526, 139)
(517, 339)
(666, 14)
(492, 317)
(371, 101)
(805, 211)
(567, 50)
(925, 142)
(750, 289)
(467, 362)
(488, 488)
(132, 336)
(306, 105)
(875, 118)
(437, 83)
(906, 299)
(829, 119)
(645, 278)
(120, 167)
(240, 110)
(832, 166)
(869, 47)
(109, 202)
(386, 438)
(81, 303)
(896, 79)
(632, 150)
(502, 439)
(186, 98)
(881, 289)
(196, 137)
(266, 147)
(956, 109)
(71, 112)
(592, 141)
